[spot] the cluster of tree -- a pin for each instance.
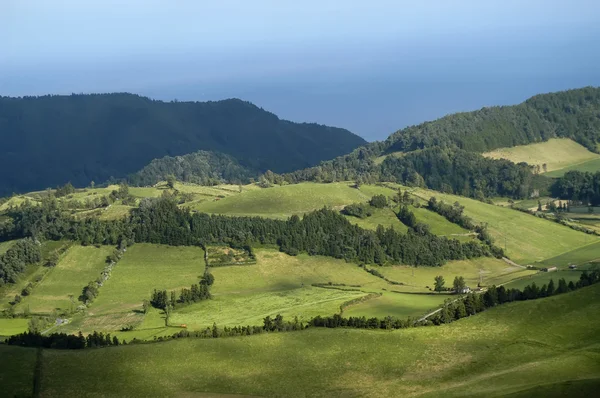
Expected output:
(202, 167)
(578, 186)
(16, 259)
(378, 201)
(197, 292)
(475, 303)
(65, 190)
(63, 341)
(104, 135)
(360, 210)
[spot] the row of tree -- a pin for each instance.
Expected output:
(63, 341)
(474, 303)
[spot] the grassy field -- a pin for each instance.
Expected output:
(79, 266)
(527, 239)
(556, 153)
(490, 271)
(439, 225)
(33, 273)
(385, 217)
(284, 201)
(10, 326)
(251, 309)
(146, 267)
(276, 271)
(539, 348)
(578, 256)
(401, 305)
(17, 366)
(591, 166)
(542, 278)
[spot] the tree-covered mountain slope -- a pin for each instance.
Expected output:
(50, 140)
(445, 154)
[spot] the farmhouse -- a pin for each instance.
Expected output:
(465, 290)
(550, 269)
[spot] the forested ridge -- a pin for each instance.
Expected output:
(50, 140)
(445, 154)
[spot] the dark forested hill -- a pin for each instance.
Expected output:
(46, 141)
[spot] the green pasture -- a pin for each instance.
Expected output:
(590, 166)
(385, 217)
(284, 201)
(539, 348)
(400, 305)
(62, 285)
(276, 271)
(251, 309)
(526, 238)
(490, 271)
(10, 326)
(146, 267)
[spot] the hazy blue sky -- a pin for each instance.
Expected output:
(370, 66)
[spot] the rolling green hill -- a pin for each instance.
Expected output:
(100, 136)
(537, 348)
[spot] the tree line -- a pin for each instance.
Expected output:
(321, 232)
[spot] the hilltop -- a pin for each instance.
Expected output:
(49, 140)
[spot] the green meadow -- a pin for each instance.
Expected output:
(527, 238)
(284, 201)
(540, 348)
(62, 285)
(146, 267)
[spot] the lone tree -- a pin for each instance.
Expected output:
(459, 284)
(439, 283)
(378, 201)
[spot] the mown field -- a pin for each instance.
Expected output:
(590, 166)
(540, 348)
(527, 238)
(559, 155)
(62, 285)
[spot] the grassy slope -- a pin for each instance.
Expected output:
(557, 153)
(10, 326)
(284, 201)
(527, 238)
(492, 272)
(534, 348)
(76, 269)
(591, 166)
(34, 271)
(146, 267)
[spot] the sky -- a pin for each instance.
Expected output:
(372, 67)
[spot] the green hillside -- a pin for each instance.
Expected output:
(527, 238)
(99, 136)
(558, 155)
(512, 349)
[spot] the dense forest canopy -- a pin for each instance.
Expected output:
(47, 141)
